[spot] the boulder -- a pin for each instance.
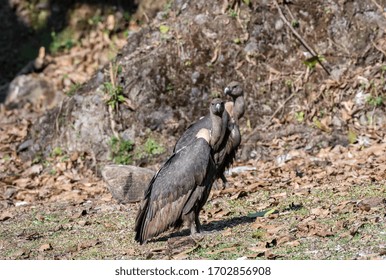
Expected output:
(127, 183)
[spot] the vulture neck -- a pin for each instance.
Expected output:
(238, 107)
(203, 133)
(216, 131)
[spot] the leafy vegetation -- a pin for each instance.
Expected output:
(313, 61)
(73, 89)
(299, 116)
(151, 147)
(115, 94)
(375, 100)
(121, 150)
(62, 41)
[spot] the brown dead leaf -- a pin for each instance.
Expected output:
(84, 223)
(228, 249)
(45, 247)
(185, 254)
(259, 250)
(6, 215)
(372, 202)
(294, 243)
(355, 228)
(88, 244)
(22, 182)
(284, 239)
(239, 194)
(320, 211)
(271, 256)
(33, 170)
(79, 214)
(221, 213)
(21, 253)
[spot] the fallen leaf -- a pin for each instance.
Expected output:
(79, 214)
(355, 228)
(164, 29)
(45, 247)
(6, 215)
(21, 253)
(87, 244)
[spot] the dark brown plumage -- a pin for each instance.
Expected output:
(179, 190)
(226, 154)
(225, 151)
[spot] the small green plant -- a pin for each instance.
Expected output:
(95, 20)
(115, 94)
(62, 41)
(121, 150)
(6, 157)
(299, 116)
(232, 13)
(313, 61)
(352, 137)
(317, 122)
(57, 151)
(167, 9)
(73, 89)
(295, 24)
(151, 147)
(288, 83)
(164, 29)
(169, 87)
(237, 41)
(375, 100)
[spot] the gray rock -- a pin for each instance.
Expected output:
(279, 24)
(31, 89)
(201, 19)
(127, 183)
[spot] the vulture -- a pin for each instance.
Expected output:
(180, 188)
(226, 154)
(225, 150)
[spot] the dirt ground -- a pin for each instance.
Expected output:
(309, 181)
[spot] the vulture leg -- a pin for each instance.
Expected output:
(224, 180)
(197, 223)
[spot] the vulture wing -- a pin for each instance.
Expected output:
(189, 134)
(179, 187)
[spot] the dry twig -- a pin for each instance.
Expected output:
(297, 35)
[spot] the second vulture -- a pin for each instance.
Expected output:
(226, 148)
(180, 188)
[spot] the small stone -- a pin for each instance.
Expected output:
(279, 24)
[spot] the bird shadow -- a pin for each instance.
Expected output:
(211, 227)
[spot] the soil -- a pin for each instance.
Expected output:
(309, 181)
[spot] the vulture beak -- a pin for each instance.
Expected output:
(218, 107)
(227, 90)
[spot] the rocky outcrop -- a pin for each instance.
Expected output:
(188, 53)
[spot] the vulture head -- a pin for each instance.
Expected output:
(236, 108)
(217, 107)
(234, 89)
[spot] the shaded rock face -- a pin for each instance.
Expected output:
(169, 77)
(127, 183)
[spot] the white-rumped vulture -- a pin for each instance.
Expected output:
(226, 154)
(179, 190)
(226, 149)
